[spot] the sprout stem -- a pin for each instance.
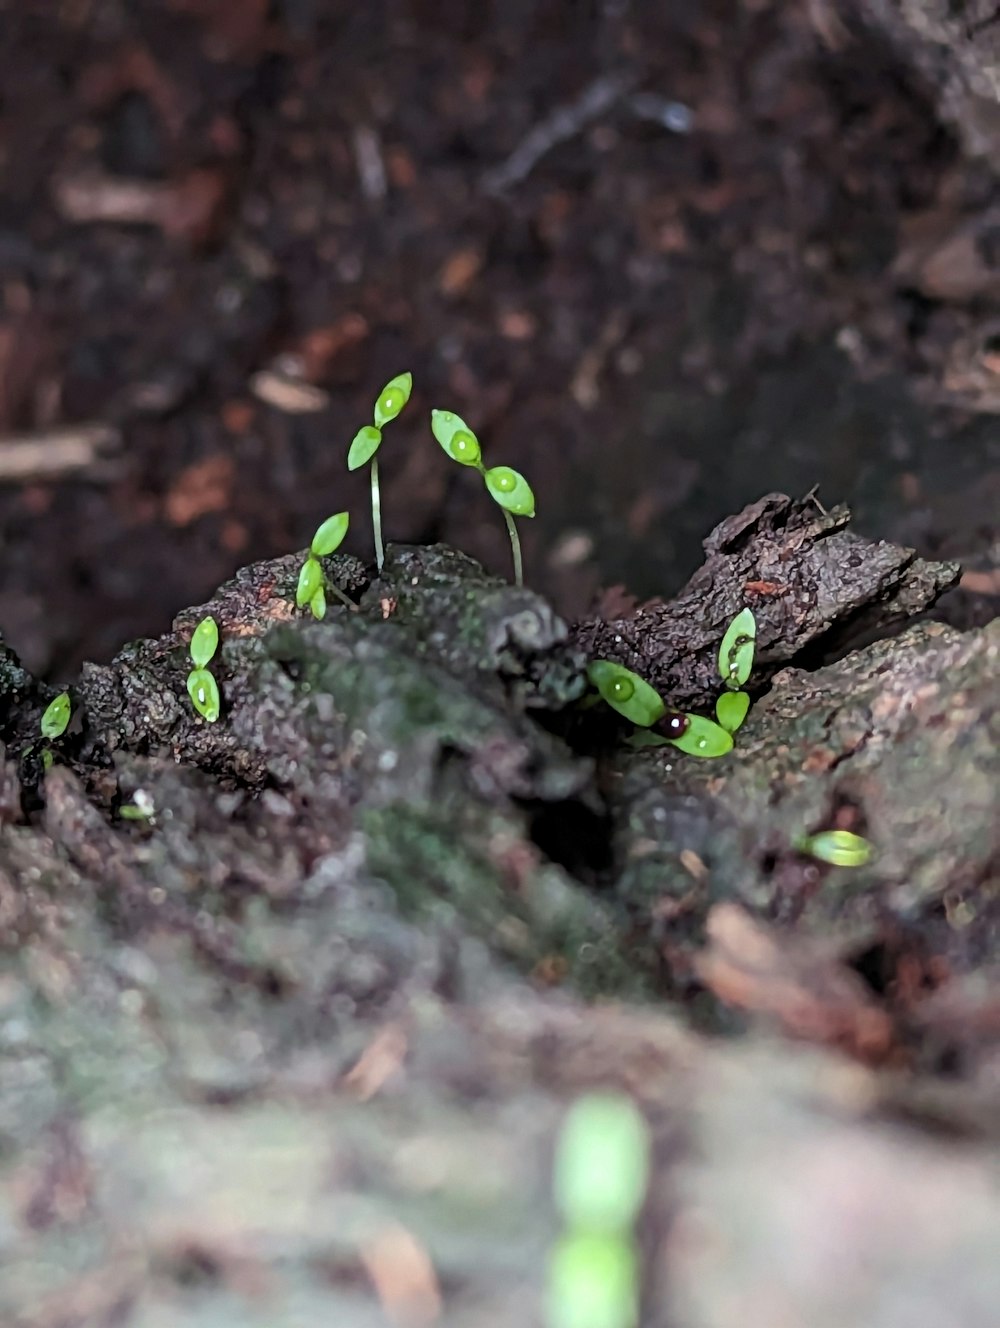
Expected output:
(377, 515)
(515, 544)
(344, 599)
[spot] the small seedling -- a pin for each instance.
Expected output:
(56, 717)
(368, 440)
(642, 705)
(141, 808)
(600, 1182)
(839, 848)
(737, 650)
(508, 488)
(201, 685)
(735, 666)
(312, 587)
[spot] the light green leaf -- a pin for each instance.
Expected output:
(204, 693)
(731, 710)
(317, 604)
(204, 642)
(393, 398)
(456, 438)
(737, 650)
(56, 716)
(840, 848)
(703, 737)
(626, 692)
(330, 535)
(310, 580)
(511, 490)
(602, 1163)
(366, 443)
(593, 1282)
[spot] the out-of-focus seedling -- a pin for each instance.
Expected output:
(313, 585)
(839, 848)
(141, 808)
(52, 725)
(201, 685)
(507, 487)
(56, 717)
(368, 440)
(642, 705)
(600, 1182)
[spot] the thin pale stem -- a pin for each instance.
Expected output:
(344, 599)
(515, 544)
(377, 515)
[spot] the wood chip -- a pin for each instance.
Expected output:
(288, 395)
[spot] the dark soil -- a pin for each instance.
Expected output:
(687, 301)
(292, 1004)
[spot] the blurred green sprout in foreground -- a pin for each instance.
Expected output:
(600, 1181)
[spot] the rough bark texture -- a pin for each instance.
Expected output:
(294, 1050)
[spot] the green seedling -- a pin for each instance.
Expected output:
(201, 685)
(839, 848)
(141, 808)
(642, 705)
(368, 440)
(626, 692)
(507, 487)
(312, 586)
(737, 650)
(600, 1182)
(56, 717)
(731, 710)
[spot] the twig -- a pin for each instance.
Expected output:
(54, 452)
(560, 125)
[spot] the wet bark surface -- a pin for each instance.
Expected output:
(293, 1046)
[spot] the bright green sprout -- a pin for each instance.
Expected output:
(506, 487)
(626, 692)
(366, 443)
(330, 535)
(600, 1182)
(310, 580)
(204, 693)
(703, 737)
(311, 589)
(731, 710)
(593, 1282)
(456, 438)
(202, 687)
(602, 1163)
(840, 848)
(204, 643)
(388, 404)
(141, 809)
(737, 650)
(56, 716)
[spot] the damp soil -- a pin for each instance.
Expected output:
(292, 1004)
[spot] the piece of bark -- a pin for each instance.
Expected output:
(813, 585)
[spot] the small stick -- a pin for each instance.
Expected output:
(56, 452)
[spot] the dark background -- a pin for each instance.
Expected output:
(714, 282)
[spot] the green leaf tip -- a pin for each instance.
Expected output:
(456, 438)
(310, 580)
(366, 443)
(626, 692)
(840, 848)
(204, 693)
(204, 642)
(330, 535)
(393, 398)
(737, 649)
(704, 738)
(731, 710)
(56, 717)
(602, 1163)
(511, 490)
(317, 605)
